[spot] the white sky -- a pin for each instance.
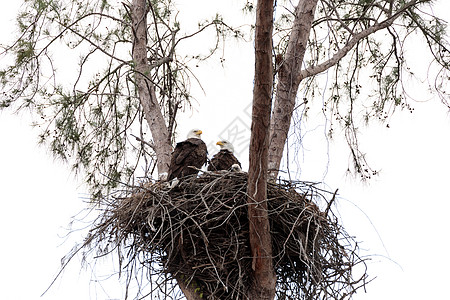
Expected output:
(400, 217)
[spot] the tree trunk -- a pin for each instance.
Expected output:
(150, 105)
(146, 89)
(264, 278)
(288, 82)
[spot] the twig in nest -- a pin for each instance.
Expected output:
(331, 202)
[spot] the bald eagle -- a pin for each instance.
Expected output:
(225, 158)
(191, 152)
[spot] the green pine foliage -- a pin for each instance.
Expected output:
(72, 66)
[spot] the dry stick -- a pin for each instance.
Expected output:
(331, 202)
(150, 144)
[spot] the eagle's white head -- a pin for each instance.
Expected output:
(225, 145)
(235, 168)
(194, 134)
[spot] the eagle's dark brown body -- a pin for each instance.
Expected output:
(223, 160)
(191, 152)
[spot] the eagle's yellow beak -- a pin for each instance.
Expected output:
(198, 132)
(220, 143)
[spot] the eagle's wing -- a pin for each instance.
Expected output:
(191, 152)
(223, 160)
(185, 149)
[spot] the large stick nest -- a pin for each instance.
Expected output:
(198, 232)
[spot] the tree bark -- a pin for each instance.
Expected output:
(264, 278)
(146, 89)
(288, 82)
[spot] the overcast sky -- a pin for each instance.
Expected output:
(400, 217)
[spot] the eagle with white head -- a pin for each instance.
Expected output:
(224, 159)
(191, 152)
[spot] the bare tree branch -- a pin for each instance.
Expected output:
(356, 37)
